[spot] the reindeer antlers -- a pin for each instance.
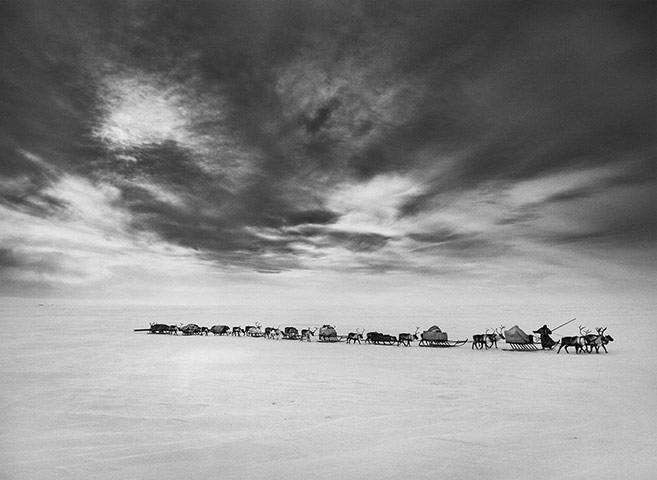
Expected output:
(583, 330)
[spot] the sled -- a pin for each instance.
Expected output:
(291, 333)
(520, 341)
(328, 334)
(156, 328)
(435, 337)
(378, 338)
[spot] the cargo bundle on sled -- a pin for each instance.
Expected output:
(291, 333)
(517, 339)
(435, 337)
(328, 334)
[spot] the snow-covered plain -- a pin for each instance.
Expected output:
(83, 396)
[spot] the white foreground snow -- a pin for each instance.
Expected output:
(84, 397)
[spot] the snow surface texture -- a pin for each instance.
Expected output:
(84, 397)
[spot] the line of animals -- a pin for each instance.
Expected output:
(585, 342)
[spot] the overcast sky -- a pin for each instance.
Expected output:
(284, 152)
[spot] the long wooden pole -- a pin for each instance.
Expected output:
(564, 324)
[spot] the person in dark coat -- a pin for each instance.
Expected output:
(546, 340)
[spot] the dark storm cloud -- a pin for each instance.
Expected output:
(221, 121)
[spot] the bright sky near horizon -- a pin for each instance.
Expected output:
(318, 152)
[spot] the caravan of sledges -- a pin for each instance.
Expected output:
(519, 340)
(515, 338)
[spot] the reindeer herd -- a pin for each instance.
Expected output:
(586, 341)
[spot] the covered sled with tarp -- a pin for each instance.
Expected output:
(328, 334)
(291, 333)
(435, 337)
(191, 329)
(518, 339)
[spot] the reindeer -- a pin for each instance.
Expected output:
(493, 337)
(407, 338)
(174, 329)
(604, 340)
(355, 336)
(237, 331)
(479, 341)
(271, 332)
(596, 341)
(276, 333)
(306, 333)
(487, 340)
(576, 341)
(369, 338)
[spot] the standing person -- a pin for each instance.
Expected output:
(546, 340)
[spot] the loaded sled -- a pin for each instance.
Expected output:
(291, 333)
(435, 337)
(328, 334)
(518, 340)
(157, 328)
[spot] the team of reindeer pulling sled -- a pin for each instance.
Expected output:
(514, 337)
